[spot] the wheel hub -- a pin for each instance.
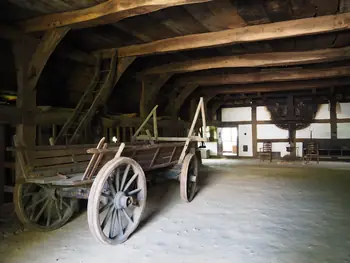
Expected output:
(122, 201)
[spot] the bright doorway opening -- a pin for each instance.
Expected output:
(230, 141)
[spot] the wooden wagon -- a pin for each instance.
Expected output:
(113, 180)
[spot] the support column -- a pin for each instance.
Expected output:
(2, 162)
(150, 87)
(254, 132)
(333, 116)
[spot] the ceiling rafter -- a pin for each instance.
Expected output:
(105, 13)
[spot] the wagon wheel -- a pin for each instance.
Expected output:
(117, 200)
(188, 177)
(38, 206)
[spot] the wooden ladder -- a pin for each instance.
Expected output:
(100, 86)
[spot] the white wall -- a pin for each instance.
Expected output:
(344, 111)
(271, 131)
(319, 131)
(323, 112)
(282, 148)
(245, 137)
(262, 114)
(343, 130)
(236, 114)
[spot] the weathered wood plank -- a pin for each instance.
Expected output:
(278, 30)
(253, 60)
(272, 87)
(273, 76)
(216, 15)
(42, 54)
(105, 13)
(2, 163)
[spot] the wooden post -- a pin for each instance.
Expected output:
(193, 105)
(254, 132)
(118, 134)
(333, 118)
(124, 134)
(30, 61)
(2, 162)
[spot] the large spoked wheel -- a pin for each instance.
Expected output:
(39, 207)
(117, 200)
(188, 177)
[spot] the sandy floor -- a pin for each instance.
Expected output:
(243, 213)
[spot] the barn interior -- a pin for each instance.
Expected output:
(272, 134)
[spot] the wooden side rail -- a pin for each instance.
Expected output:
(52, 160)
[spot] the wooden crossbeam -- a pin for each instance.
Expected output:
(107, 12)
(254, 60)
(270, 76)
(13, 34)
(179, 101)
(278, 30)
(273, 87)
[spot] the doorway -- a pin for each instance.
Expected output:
(229, 141)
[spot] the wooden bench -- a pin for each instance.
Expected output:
(312, 151)
(266, 151)
(57, 165)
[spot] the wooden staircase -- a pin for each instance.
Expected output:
(101, 84)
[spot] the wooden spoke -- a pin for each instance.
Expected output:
(41, 211)
(113, 222)
(130, 182)
(58, 210)
(188, 171)
(110, 198)
(125, 176)
(122, 222)
(136, 191)
(105, 207)
(33, 205)
(117, 178)
(37, 206)
(49, 213)
(107, 217)
(128, 217)
(111, 186)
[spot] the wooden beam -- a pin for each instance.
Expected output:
(2, 162)
(13, 34)
(42, 54)
(273, 87)
(266, 76)
(149, 92)
(107, 12)
(29, 66)
(254, 60)
(278, 30)
(179, 101)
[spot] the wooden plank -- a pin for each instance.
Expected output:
(272, 59)
(105, 13)
(216, 15)
(2, 162)
(272, 87)
(278, 30)
(272, 76)
(45, 162)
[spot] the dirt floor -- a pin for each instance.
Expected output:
(244, 212)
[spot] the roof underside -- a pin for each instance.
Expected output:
(190, 19)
